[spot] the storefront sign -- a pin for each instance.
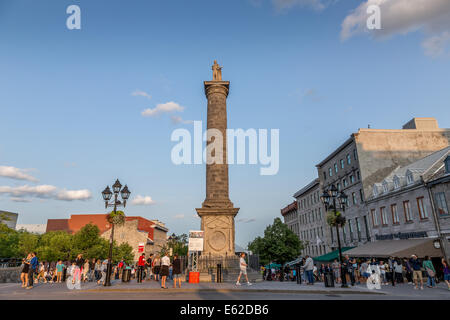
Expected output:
(401, 235)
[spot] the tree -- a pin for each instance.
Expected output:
(123, 251)
(55, 245)
(279, 244)
(9, 242)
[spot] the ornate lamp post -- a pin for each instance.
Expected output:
(329, 198)
(113, 219)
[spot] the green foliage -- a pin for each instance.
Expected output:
(335, 219)
(9, 242)
(279, 244)
(178, 244)
(56, 245)
(117, 218)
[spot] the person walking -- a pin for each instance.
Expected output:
(350, 269)
(176, 271)
(85, 270)
(391, 262)
(309, 267)
(165, 263)
(156, 264)
(336, 270)
(141, 266)
(398, 271)
(148, 265)
(243, 270)
(25, 270)
(446, 270)
(417, 271)
(34, 264)
(408, 270)
(431, 272)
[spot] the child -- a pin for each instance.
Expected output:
(59, 270)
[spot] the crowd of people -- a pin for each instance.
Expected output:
(353, 271)
(154, 267)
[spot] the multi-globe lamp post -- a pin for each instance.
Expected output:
(107, 195)
(334, 200)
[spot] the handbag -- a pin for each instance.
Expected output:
(430, 272)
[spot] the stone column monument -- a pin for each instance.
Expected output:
(217, 212)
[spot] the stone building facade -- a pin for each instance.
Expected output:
(313, 229)
(290, 216)
(400, 206)
(369, 156)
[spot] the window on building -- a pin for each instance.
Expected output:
(344, 182)
(409, 178)
(441, 204)
(355, 154)
(330, 172)
(324, 176)
(358, 175)
(352, 179)
(407, 211)
(350, 229)
(338, 186)
(349, 159)
(423, 214)
(344, 234)
(335, 167)
(361, 196)
(385, 187)
(396, 182)
(342, 163)
(395, 219)
(320, 214)
(358, 229)
(447, 164)
(366, 225)
(331, 234)
(354, 198)
(375, 190)
(374, 217)
(383, 215)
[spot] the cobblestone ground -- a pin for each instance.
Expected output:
(261, 290)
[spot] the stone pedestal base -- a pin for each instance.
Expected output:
(218, 225)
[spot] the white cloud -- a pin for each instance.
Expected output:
(44, 192)
(178, 119)
(246, 220)
(16, 173)
(168, 107)
(142, 200)
(40, 191)
(140, 93)
(432, 17)
(70, 195)
(20, 200)
(318, 5)
(435, 46)
(179, 216)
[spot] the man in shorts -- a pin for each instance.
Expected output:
(417, 271)
(243, 267)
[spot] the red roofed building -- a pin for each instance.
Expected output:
(135, 231)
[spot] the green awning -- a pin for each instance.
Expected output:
(330, 256)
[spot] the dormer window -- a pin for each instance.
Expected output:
(375, 190)
(396, 182)
(447, 164)
(385, 187)
(409, 178)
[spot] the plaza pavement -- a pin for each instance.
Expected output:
(224, 291)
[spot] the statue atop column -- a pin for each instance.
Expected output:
(217, 71)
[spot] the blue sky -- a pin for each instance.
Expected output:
(69, 119)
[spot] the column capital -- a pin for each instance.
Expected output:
(216, 86)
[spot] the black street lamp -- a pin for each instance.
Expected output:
(107, 195)
(329, 200)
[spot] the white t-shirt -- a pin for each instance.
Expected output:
(242, 264)
(165, 261)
